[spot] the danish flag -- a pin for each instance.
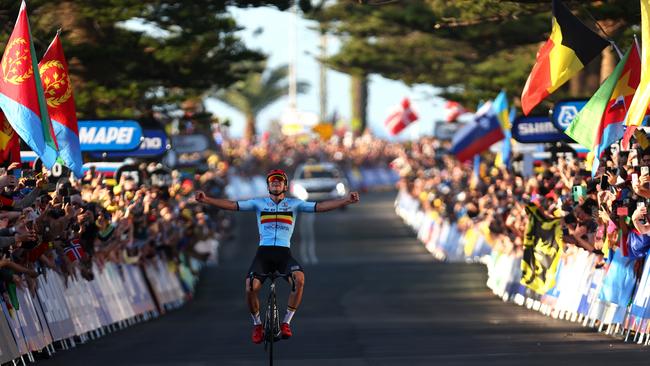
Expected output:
(453, 110)
(401, 117)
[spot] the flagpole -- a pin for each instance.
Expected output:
(636, 44)
(615, 47)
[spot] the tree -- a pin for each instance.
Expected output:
(126, 56)
(468, 48)
(251, 95)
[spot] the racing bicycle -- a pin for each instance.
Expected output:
(271, 315)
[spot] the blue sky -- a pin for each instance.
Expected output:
(384, 94)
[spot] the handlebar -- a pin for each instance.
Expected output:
(272, 276)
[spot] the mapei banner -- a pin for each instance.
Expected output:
(109, 135)
(536, 129)
(154, 143)
(542, 251)
(565, 111)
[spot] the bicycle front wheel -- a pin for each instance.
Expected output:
(270, 329)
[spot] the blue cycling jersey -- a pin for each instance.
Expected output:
(276, 221)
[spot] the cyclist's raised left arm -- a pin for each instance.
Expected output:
(334, 204)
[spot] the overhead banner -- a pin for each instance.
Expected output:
(542, 251)
(189, 143)
(154, 143)
(446, 131)
(565, 111)
(536, 129)
(109, 135)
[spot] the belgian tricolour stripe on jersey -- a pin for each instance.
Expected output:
(283, 217)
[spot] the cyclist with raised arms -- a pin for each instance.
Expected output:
(276, 218)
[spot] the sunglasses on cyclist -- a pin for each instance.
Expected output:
(276, 178)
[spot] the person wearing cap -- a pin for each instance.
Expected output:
(276, 218)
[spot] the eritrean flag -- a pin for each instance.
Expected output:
(21, 92)
(267, 217)
(571, 46)
(60, 104)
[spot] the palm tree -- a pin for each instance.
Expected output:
(251, 95)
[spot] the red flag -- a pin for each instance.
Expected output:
(74, 251)
(453, 110)
(60, 104)
(400, 118)
(21, 92)
(9, 142)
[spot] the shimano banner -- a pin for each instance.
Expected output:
(109, 135)
(536, 129)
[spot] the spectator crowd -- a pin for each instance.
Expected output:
(71, 225)
(602, 213)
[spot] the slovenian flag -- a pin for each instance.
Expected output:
(21, 92)
(479, 135)
(569, 48)
(60, 104)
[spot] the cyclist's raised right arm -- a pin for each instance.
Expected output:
(221, 203)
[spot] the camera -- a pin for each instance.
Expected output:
(622, 157)
(604, 183)
(621, 207)
(578, 191)
(639, 205)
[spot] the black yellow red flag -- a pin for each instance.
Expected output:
(571, 46)
(543, 247)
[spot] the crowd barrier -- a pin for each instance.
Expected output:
(608, 298)
(60, 313)
(360, 178)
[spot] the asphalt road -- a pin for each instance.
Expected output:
(376, 297)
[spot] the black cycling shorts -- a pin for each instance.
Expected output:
(269, 259)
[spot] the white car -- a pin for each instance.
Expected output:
(318, 182)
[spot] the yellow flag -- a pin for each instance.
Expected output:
(589, 160)
(639, 105)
